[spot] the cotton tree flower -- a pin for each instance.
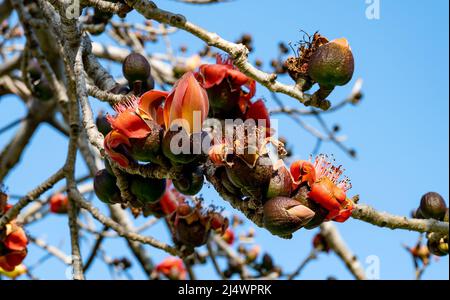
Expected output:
(186, 99)
(227, 87)
(325, 187)
(135, 119)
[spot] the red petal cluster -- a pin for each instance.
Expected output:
(13, 244)
(326, 189)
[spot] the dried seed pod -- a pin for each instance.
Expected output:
(283, 216)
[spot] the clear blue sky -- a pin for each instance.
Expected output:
(400, 129)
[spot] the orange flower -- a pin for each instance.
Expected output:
(131, 123)
(225, 85)
(326, 188)
(150, 106)
(173, 268)
(186, 98)
(59, 203)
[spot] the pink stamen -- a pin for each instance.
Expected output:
(128, 104)
(324, 168)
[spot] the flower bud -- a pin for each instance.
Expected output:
(187, 105)
(105, 187)
(147, 189)
(136, 68)
(177, 146)
(253, 181)
(59, 203)
(148, 149)
(283, 216)
(120, 89)
(267, 262)
(436, 248)
(332, 64)
(320, 213)
(432, 205)
(280, 184)
(190, 183)
(102, 124)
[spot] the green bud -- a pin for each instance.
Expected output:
(105, 187)
(332, 64)
(147, 189)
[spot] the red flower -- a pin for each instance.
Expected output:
(14, 247)
(59, 203)
(228, 236)
(131, 123)
(225, 85)
(173, 268)
(326, 189)
(258, 111)
(12, 259)
(113, 140)
(170, 200)
(15, 240)
(186, 98)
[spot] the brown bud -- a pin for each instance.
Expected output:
(432, 205)
(136, 68)
(283, 216)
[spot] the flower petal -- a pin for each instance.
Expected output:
(16, 240)
(151, 102)
(112, 140)
(258, 111)
(130, 124)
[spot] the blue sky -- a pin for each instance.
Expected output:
(400, 130)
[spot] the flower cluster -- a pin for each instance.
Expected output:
(326, 189)
(164, 128)
(13, 241)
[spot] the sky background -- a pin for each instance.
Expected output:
(399, 130)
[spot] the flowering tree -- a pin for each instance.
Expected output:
(177, 124)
